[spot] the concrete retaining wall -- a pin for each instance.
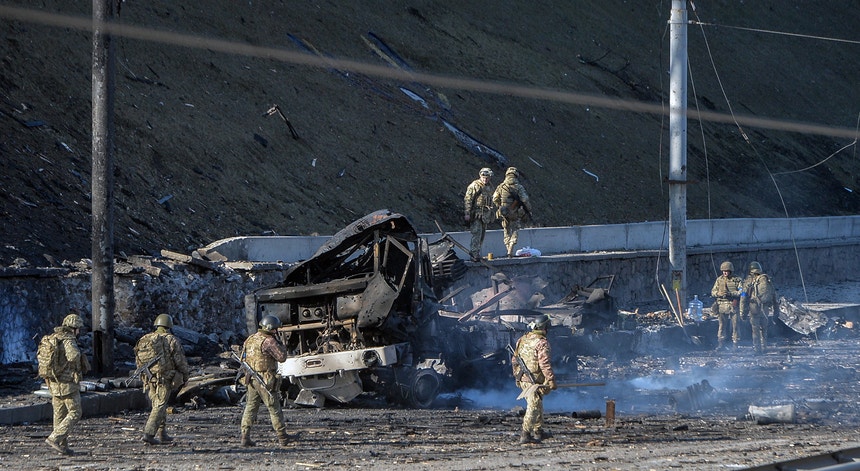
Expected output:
(753, 233)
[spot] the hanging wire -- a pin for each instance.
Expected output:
(851, 144)
(705, 151)
(782, 33)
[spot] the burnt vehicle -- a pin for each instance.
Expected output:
(362, 314)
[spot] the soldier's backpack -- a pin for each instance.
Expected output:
(149, 347)
(48, 355)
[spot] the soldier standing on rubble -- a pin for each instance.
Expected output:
(67, 367)
(727, 294)
(758, 299)
(169, 371)
(478, 203)
(534, 349)
(514, 206)
(262, 352)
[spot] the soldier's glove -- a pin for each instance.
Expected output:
(551, 384)
(520, 384)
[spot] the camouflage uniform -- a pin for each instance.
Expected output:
(757, 303)
(168, 375)
(534, 349)
(514, 206)
(263, 352)
(479, 210)
(65, 386)
(727, 296)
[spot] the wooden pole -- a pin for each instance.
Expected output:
(103, 76)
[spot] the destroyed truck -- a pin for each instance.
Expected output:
(362, 314)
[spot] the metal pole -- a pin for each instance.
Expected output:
(678, 149)
(102, 188)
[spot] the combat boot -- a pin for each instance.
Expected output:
(147, 438)
(246, 438)
(163, 437)
(57, 445)
(720, 345)
(284, 439)
(542, 435)
(526, 438)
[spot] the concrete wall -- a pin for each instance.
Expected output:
(638, 273)
(577, 239)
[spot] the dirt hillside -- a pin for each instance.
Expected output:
(198, 160)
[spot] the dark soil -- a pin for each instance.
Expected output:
(196, 160)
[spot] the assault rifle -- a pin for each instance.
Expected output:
(143, 370)
(524, 370)
(246, 370)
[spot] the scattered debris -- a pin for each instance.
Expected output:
(275, 109)
(799, 318)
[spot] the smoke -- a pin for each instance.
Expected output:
(559, 401)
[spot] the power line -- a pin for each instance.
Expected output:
(781, 33)
(382, 71)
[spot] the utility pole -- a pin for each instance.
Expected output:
(678, 149)
(103, 303)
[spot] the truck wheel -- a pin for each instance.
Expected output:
(424, 388)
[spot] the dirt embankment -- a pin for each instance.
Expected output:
(197, 159)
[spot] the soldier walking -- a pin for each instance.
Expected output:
(727, 294)
(62, 365)
(167, 374)
(514, 206)
(478, 203)
(262, 352)
(534, 349)
(759, 299)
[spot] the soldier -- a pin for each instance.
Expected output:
(533, 348)
(727, 294)
(263, 351)
(514, 206)
(479, 210)
(65, 366)
(168, 373)
(757, 300)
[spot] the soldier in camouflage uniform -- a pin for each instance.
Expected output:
(263, 351)
(727, 295)
(534, 349)
(514, 206)
(169, 373)
(71, 365)
(757, 303)
(478, 203)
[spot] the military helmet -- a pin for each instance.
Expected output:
(511, 171)
(486, 172)
(74, 321)
(540, 323)
(755, 268)
(163, 320)
(727, 266)
(270, 323)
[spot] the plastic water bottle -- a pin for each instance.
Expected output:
(694, 310)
